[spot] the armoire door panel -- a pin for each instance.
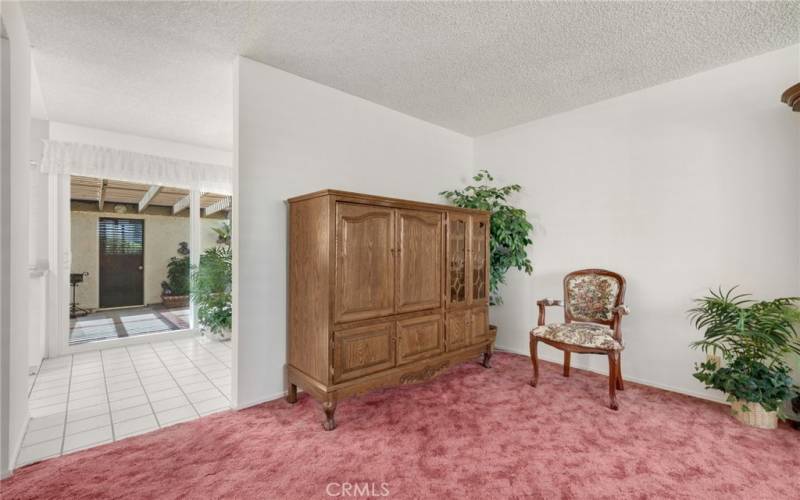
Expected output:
(419, 260)
(419, 338)
(479, 324)
(457, 259)
(364, 262)
(479, 261)
(457, 332)
(363, 350)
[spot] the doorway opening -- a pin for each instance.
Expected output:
(131, 256)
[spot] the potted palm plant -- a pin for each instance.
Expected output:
(752, 338)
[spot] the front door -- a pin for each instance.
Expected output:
(121, 262)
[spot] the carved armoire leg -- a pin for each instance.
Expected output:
(535, 360)
(291, 395)
(487, 356)
(329, 407)
(612, 380)
(567, 357)
(620, 384)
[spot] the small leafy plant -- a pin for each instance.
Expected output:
(753, 337)
(178, 269)
(510, 229)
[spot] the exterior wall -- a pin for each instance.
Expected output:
(162, 234)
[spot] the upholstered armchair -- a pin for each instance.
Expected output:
(593, 309)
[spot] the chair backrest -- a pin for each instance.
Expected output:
(590, 295)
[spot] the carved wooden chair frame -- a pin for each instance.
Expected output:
(615, 382)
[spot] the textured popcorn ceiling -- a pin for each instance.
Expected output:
(164, 69)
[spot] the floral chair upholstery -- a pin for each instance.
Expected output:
(593, 310)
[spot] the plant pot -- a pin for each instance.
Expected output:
(171, 301)
(221, 335)
(493, 330)
(755, 415)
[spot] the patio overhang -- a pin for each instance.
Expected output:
(104, 195)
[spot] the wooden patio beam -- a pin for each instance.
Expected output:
(101, 194)
(148, 197)
(183, 204)
(218, 206)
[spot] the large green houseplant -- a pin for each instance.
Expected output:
(211, 288)
(510, 229)
(752, 338)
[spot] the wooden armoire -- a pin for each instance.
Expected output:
(382, 292)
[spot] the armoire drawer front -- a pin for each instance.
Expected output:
(363, 350)
(419, 338)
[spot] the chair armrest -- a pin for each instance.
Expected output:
(618, 312)
(544, 303)
(621, 310)
(549, 302)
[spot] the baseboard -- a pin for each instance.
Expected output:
(259, 401)
(18, 445)
(649, 383)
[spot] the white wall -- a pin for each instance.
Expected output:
(295, 136)
(680, 187)
(5, 267)
(15, 217)
(38, 201)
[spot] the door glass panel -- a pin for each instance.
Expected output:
(457, 262)
(479, 260)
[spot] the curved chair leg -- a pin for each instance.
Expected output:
(567, 356)
(535, 360)
(612, 380)
(620, 384)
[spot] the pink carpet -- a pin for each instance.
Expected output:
(471, 433)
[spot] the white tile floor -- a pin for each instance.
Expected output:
(97, 397)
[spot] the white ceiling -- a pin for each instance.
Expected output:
(164, 69)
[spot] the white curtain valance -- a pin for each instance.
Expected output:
(106, 163)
